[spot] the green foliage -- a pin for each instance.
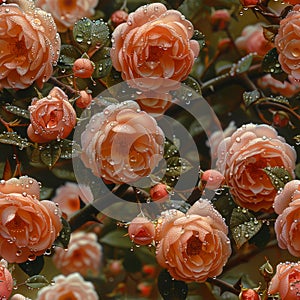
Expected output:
(279, 176)
(251, 97)
(243, 225)
(244, 64)
(64, 236)
(24, 113)
(12, 138)
(102, 62)
(117, 238)
(68, 55)
(33, 267)
(131, 262)
(37, 281)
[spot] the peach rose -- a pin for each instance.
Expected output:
(286, 281)
(287, 43)
(245, 155)
(68, 197)
(67, 12)
(285, 88)
(193, 246)
(6, 280)
(122, 143)
(252, 40)
(68, 287)
(155, 43)
(83, 255)
(52, 117)
(28, 226)
(29, 51)
(141, 231)
(287, 205)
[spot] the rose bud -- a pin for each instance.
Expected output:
(83, 68)
(249, 294)
(212, 179)
(220, 19)
(84, 99)
(144, 289)
(159, 192)
(114, 267)
(118, 17)
(280, 119)
(141, 231)
(149, 270)
(249, 3)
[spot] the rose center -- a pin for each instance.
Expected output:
(294, 279)
(68, 4)
(68, 296)
(155, 53)
(193, 246)
(16, 223)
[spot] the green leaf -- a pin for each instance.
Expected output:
(37, 281)
(12, 138)
(50, 154)
(132, 263)
(171, 289)
(113, 78)
(69, 149)
(244, 63)
(102, 63)
(175, 3)
(68, 55)
(270, 63)
(64, 236)
(170, 150)
(117, 238)
(200, 38)
(177, 166)
(192, 83)
(279, 176)
(91, 34)
(251, 97)
(243, 225)
(63, 173)
(33, 267)
(24, 113)
(45, 192)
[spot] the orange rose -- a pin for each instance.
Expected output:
(52, 117)
(193, 246)
(287, 205)
(154, 43)
(28, 226)
(245, 154)
(30, 49)
(70, 287)
(286, 281)
(83, 255)
(252, 40)
(287, 43)
(66, 13)
(122, 143)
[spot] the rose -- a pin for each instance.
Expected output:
(287, 205)
(52, 117)
(141, 231)
(71, 287)
(83, 68)
(66, 13)
(118, 17)
(249, 294)
(159, 192)
(252, 40)
(193, 246)
(246, 154)
(68, 197)
(286, 281)
(212, 179)
(83, 255)
(220, 19)
(122, 143)
(24, 57)
(154, 44)
(28, 226)
(287, 43)
(6, 280)
(285, 88)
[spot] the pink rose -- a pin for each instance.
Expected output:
(154, 44)
(193, 246)
(52, 117)
(245, 154)
(287, 205)
(6, 281)
(122, 143)
(252, 40)
(220, 19)
(66, 13)
(83, 255)
(141, 231)
(68, 197)
(29, 51)
(287, 43)
(286, 281)
(28, 226)
(72, 287)
(212, 179)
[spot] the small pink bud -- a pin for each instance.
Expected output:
(141, 231)
(115, 267)
(83, 68)
(280, 119)
(212, 179)
(220, 19)
(84, 100)
(249, 294)
(118, 17)
(249, 3)
(144, 289)
(159, 192)
(149, 270)
(6, 283)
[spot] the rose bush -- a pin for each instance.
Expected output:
(66, 13)
(28, 226)
(52, 117)
(122, 143)
(154, 44)
(245, 154)
(193, 246)
(29, 51)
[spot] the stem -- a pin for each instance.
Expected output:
(225, 287)
(62, 85)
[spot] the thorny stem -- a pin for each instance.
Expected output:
(62, 85)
